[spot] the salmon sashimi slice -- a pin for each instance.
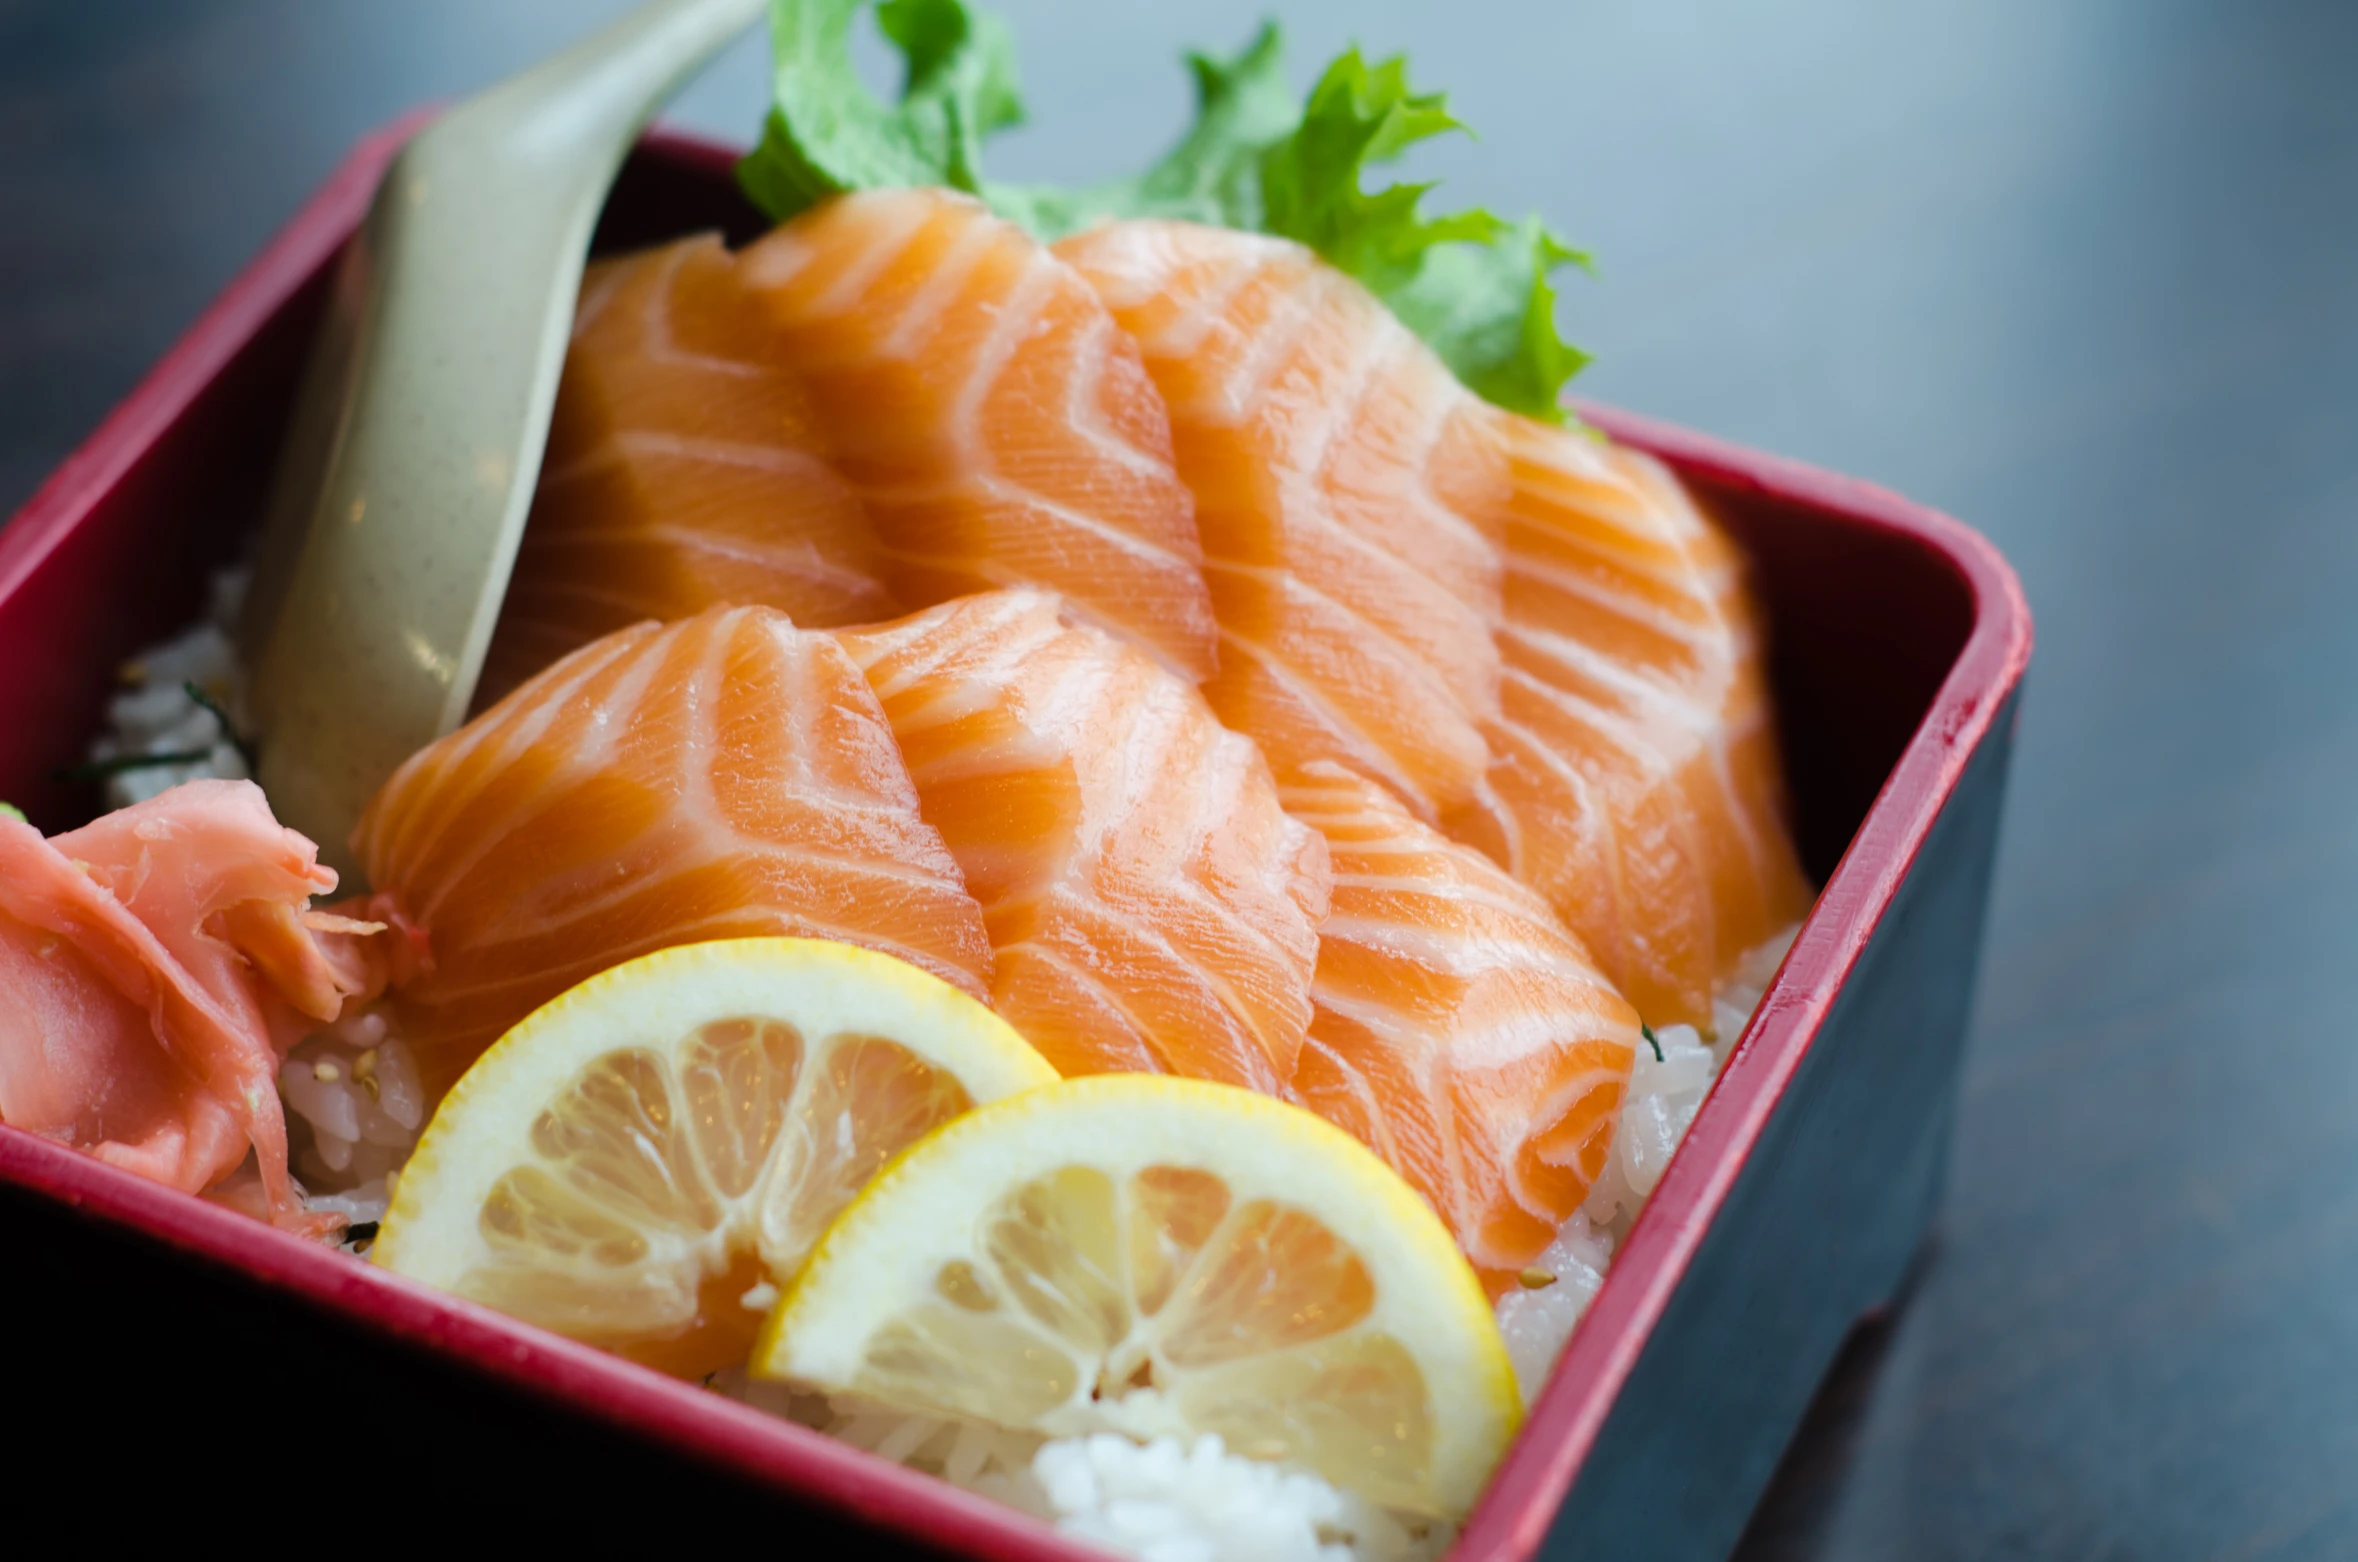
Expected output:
(137, 1021)
(1461, 1032)
(1344, 484)
(1152, 907)
(1636, 782)
(726, 776)
(685, 470)
(992, 417)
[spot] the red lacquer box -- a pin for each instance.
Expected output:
(229, 1377)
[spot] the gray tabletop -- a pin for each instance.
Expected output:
(2084, 274)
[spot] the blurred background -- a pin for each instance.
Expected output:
(2084, 275)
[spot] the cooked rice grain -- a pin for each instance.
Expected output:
(1664, 1095)
(155, 714)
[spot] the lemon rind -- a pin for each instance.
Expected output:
(890, 1241)
(480, 1128)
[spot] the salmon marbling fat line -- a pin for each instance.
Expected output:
(1461, 1032)
(1152, 907)
(1634, 779)
(685, 469)
(999, 429)
(728, 775)
(1342, 495)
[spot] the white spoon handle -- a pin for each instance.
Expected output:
(412, 460)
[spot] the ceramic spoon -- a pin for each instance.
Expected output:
(418, 436)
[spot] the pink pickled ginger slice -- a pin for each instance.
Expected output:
(137, 1010)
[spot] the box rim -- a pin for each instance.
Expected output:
(1512, 1518)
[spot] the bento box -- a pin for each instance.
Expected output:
(188, 1350)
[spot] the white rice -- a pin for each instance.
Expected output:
(1169, 1502)
(1663, 1097)
(1536, 1321)
(1163, 1499)
(155, 713)
(355, 1109)
(355, 1087)
(994, 1461)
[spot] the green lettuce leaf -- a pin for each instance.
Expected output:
(827, 133)
(1213, 174)
(1360, 116)
(1477, 288)
(7, 812)
(1489, 311)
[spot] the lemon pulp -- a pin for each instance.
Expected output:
(1157, 1256)
(638, 1164)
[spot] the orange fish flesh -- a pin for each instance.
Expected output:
(1344, 487)
(726, 776)
(1635, 782)
(685, 469)
(1461, 1032)
(993, 419)
(1152, 907)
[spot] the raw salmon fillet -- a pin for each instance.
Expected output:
(726, 776)
(1636, 783)
(685, 470)
(139, 1022)
(993, 419)
(1461, 1032)
(1152, 907)
(1344, 484)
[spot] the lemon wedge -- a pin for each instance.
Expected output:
(1160, 1256)
(643, 1160)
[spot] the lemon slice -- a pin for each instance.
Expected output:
(1161, 1256)
(642, 1159)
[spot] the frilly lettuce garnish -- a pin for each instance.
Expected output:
(1477, 288)
(7, 812)
(1213, 175)
(1360, 116)
(1474, 286)
(827, 133)
(1489, 310)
